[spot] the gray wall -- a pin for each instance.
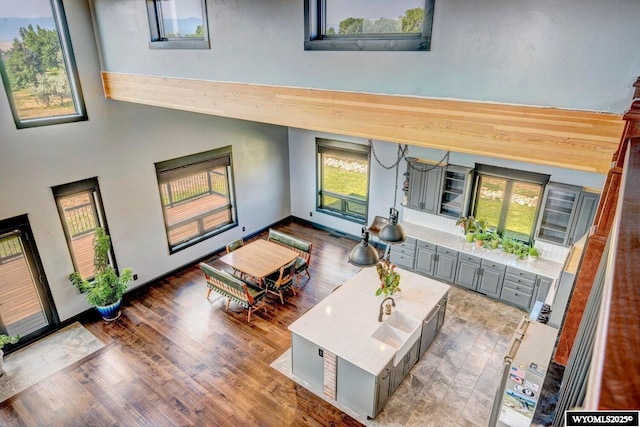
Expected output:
(562, 53)
(120, 144)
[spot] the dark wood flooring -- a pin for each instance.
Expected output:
(174, 358)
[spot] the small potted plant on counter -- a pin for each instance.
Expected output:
(471, 225)
(4, 340)
(106, 289)
(494, 240)
(533, 253)
(389, 278)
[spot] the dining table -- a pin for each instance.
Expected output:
(259, 258)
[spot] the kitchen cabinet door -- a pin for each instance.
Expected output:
(429, 330)
(587, 207)
(446, 263)
(456, 183)
(425, 261)
(543, 284)
(491, 278)
(558, 210)
(467, 274)
(425, 187)
(383, 387)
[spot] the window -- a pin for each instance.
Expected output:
(508, 200)
(178, 24)
(37, 64)
(80, 208)
(343, 179)
(197, 197)
(368, 24)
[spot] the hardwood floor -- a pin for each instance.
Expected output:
(174, 358)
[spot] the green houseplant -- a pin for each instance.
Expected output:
(106, 289)
(389, 278)
(4, 340)
(533, 253)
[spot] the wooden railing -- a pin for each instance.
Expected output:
(191, 187)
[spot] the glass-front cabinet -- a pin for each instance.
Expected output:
(455, 190)
(558, 210)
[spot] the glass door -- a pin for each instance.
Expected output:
(26, 308)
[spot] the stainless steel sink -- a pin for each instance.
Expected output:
(399, 331)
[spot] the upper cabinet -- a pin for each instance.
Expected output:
(455, 191)
(425, 186)
(567, 213)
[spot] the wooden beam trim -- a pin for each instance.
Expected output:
(578, 140)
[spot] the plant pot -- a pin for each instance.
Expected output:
(532, 258)
(110, 312)
(494, 244)
(480, 243)
(470, 236)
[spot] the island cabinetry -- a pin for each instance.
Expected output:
(307, 360)
(403, 254)
(490, 278)
(518, 287)
(468, 271)
(426, 258)
(361, 391)
(402, 369)
(432, 325)
(425, 186)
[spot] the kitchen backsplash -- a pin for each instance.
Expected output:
(448, 225)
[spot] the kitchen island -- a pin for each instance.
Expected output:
(341, 348)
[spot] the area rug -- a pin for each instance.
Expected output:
(51, 354)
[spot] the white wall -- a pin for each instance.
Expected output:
(561, 53)
(120, 144)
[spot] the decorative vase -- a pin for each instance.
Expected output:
(494, 244)
(110, 312)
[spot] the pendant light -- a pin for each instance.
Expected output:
(393, 232)
(364, 255)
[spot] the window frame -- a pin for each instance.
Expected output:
(352, 148)
(511, 176)
(86, 185)
(315, 39)
(157, 33)
(60, 20)
(193, 160)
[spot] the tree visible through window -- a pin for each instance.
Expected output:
(178, 24)
(37, 64)
(343, 179)
(368, 24)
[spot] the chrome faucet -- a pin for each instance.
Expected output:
(393, 303)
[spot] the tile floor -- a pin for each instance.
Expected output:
(455, 381)
(47, 356)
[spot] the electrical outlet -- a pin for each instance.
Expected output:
(243, 229)
(310, 213)
(135, 277)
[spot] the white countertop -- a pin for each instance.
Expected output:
(541, 266)
(345, 320)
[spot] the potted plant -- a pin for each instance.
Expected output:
(508, 244)
(106, 289)
(494, 240)
(533, 253)
(521, 250)
(4, 340)
(469, 224)
(389, 278)
(480, 238)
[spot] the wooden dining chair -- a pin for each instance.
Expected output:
(232, 246)
(282, 280)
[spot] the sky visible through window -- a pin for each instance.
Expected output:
(338, 10)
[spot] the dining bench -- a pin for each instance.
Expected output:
(245, 293)
(301, 247)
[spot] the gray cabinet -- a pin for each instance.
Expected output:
(446, 262)
(403, 254)
(586, 212)
(431, 326)
(467, 271)
(543, 284)
(558, 209)
(456, 183)
(518, 287)
(307, 361)
(425, 258)
(425, 186)
(490, 278)
(383, 387)
(402, 369)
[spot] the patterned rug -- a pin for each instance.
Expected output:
(38, 360)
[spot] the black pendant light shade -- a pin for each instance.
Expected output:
(364, 255)
(392, 232)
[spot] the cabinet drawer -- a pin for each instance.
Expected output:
(521, 273)
(399, 250)
(402, 260)
(518, 286)
(470, 258)
(494, 265)
(520, 281)
(515, 297)
(446, 251)
(426, 245)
